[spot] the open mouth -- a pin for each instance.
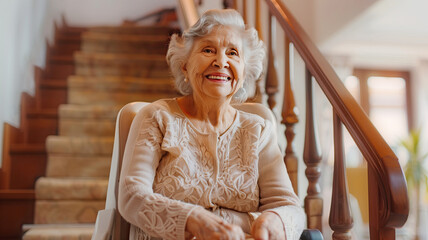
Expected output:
(218, 77)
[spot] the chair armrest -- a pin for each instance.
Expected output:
(311, 234)
(104, 224)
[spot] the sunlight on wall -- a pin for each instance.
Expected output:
(22, 48)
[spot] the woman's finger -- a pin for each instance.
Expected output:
(261, 233)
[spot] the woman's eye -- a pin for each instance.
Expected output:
(207, 50)
(234, 53)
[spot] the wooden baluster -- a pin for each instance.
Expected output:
(271, 84)
(258, 23)
(258, 95)
(289, 118)
(312, 158)
(340, 219)
(244, 10)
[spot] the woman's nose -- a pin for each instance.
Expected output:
(221, 61)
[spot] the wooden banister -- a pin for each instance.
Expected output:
(388, 201)
(381, 160)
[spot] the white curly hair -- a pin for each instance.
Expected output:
(253, 48)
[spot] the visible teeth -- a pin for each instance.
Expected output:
(218, 77)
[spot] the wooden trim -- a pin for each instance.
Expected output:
(17, 194)
(380, 157)
(363, 74)
(5, 167)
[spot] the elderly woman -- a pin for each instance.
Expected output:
(196, 167)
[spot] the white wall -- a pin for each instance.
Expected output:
(332, 15)
(105, 12)
(25, 25)
(22, 27)
(304, 12)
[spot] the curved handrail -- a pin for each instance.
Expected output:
(380, 157)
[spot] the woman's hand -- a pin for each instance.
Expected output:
(268, 226)
(205, 225)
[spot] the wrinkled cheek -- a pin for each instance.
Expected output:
(239, 77)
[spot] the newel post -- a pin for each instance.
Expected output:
(312, 159)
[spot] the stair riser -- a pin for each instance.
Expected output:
(133, 85)
(78, 112)
(79, 146)
(120, 47)
(61, 71)
(104, 128)
(16, 208)
(62, 189)
(65, 49)
(91, 97)
(133, 30)
(55, 212)
(69, 166)
(41, 127)
(120, 71)
(53, 97)
(26, 168)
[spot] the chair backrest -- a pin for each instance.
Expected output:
(118, 228)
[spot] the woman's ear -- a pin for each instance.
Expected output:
(184, 70)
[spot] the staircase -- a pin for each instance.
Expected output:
(114, 66)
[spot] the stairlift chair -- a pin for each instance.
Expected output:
(109, 223)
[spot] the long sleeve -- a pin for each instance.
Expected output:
(155, 214)
(276, 191)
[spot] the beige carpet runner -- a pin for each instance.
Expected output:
(116, 65)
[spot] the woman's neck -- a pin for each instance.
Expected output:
(208, 114)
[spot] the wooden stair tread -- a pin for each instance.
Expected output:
(46, 113)
(134, 29)
(73, 111)
(62, 59)
(27, 227)
(28, 148)
(69, 38)
(58, 231)
(99, 36)
(17, 194)
(72, 29)
(78, 56)
(53, 84)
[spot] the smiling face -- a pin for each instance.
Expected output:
(215, 67)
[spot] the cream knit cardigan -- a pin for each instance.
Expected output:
(170, 168)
